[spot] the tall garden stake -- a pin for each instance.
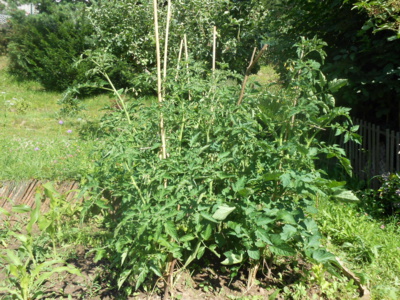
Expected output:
(187, 61)
(159, 82)
(179, 59)
(214, 47)
(166, 39)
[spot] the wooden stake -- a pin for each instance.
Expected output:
(159, 83)
(214, 47)
(179, 59)
(187, 60)
(253, 62)
(166, 39)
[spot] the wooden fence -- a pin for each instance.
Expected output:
(378, 153)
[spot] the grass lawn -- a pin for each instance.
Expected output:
(35, 140)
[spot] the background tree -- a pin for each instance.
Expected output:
(359, 49)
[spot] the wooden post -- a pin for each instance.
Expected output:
(179, 59)
(159, 82)
(166, 38)
(214, 47)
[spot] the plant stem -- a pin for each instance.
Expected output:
(248, 70)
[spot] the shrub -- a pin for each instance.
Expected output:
(44, 47)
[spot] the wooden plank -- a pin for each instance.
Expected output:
(392, 150)
(398, 152)
(387, 154)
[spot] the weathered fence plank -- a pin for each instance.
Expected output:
(378, 153)
(17, 193)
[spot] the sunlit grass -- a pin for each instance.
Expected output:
(33, 143)
(368, 246)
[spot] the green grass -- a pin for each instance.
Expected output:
(368, 246)
(32, 142)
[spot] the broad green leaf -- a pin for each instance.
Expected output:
(263, 236)
(337, 84)
(288, 232)
(222, 212)
(206, 234)
(156, 270)
(187, 238)
(286, 216)
(345, 195)
(171, 230)
(311, 225)
(322, 256)
(200, 252)
(122, 277)
(141, 277)
(282, 250)
(208, 217)
(232, 258)
(254, 253)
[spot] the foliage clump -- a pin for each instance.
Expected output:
(43, 47)
(237, 182)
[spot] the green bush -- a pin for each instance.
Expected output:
(237, 182)
(43, 47)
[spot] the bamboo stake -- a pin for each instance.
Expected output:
(179, 59)
(214, 47)
(247, 74)
(187, 61)
(166, 39)
(159, 83)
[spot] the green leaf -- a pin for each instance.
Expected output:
(322, 256)
(200, 253)
(311, 226)
(208, 217)
(345, 195)
(21, 208)
(206, 234)
(254, 253)
(288, 232)
(272, 176)
(263, 236)
(232, 258)
(187, 238)
(122, 277)
(141, 277)
(282, 250)
(102, 203)
(222, 212)
(286, 216)
(336, 84)
(171, 230)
